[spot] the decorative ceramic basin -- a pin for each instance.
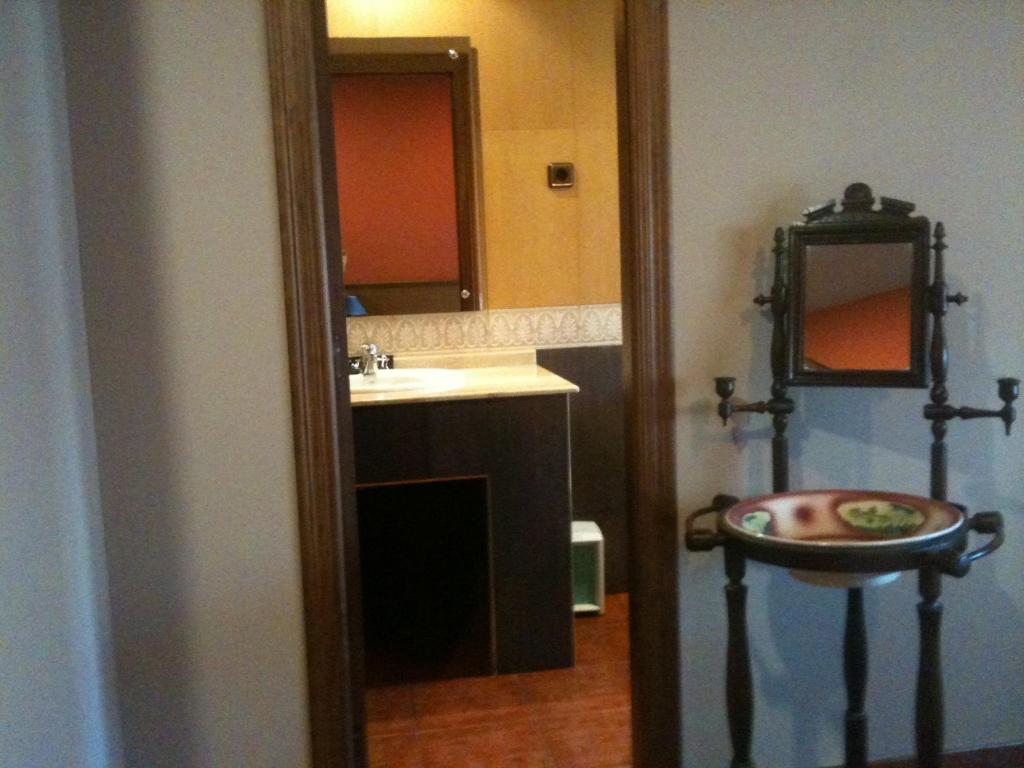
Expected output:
(406, 380)
(832, 519)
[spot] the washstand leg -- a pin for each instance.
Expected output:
(855, 668)
(739, 690)
(929, 720)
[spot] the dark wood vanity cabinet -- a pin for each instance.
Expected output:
(520, 447)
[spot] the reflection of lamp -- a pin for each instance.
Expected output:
(354, 307)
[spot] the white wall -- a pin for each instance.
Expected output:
(55, 703)
(775, 107)
(181, 265)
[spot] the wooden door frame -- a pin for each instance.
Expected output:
(322, 429)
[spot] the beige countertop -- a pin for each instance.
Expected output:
(520, 379)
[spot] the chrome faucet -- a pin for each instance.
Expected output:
(369, 360)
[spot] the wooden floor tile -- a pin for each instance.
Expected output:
(390, 710)
(592, 687)
(563, 718)
(495, 745)
(589, 739)
(616, 607)
(398, 751)
(550, 685)
(598, 641)
(599, 679)
(468, 701)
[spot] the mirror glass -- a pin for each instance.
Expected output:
(396, 189)
(545, 95)
(857, 307)
(404, 152)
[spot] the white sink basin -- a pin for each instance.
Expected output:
(406, 380)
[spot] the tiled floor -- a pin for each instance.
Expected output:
(565, 718)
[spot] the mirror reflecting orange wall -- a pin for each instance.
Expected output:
(396, 177)
(547, 95)
(857, 307)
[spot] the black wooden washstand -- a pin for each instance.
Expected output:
(933, 558)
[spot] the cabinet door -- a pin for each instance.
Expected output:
(521, 446)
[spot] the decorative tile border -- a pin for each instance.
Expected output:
(579, 326)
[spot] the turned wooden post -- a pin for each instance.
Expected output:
(855, 668)
(929, 716)
(738, 683)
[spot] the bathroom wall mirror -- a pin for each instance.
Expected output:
(543, 81)
(406, 149)
(858, 284)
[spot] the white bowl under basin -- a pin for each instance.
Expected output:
(844, 580)
(406, 380)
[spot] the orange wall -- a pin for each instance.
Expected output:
(872, 333)
(396, 181)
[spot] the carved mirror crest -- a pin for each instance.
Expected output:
(858, 284)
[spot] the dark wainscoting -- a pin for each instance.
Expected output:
(597, 431)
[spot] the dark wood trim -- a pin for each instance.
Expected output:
(650, 389)
(297, 38)
(407, 298)
(307, 199)
(384, 63)
(993, 757)
(855, 673)
(465, 128)
(598, 447)
(396, 44)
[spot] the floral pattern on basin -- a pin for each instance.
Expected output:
(839, 517)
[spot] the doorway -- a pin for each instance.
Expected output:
(317, 338)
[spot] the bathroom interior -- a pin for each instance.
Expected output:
(477, 176)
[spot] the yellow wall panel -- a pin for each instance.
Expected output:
(532, 231)
(352, 18)
(526, 65)
(428, 18)
(593, 53)
(597, 181)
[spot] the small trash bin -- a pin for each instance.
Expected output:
(587, 567)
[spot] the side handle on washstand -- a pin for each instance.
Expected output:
(705, 539)
(991, 523)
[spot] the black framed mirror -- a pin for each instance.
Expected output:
(858, 284)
